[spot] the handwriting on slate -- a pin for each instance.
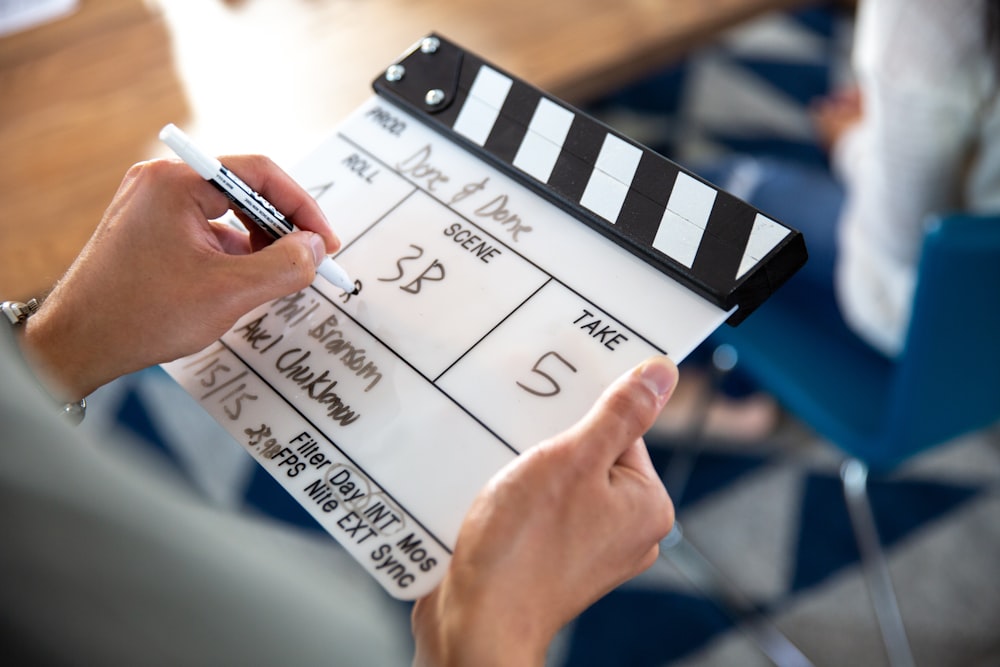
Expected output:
(433, 179)
(551, 366)
(433, 272)
(260, 439)
(541, 368)
(365, 514)
(221, 385)
(310, 372)
(345, 494)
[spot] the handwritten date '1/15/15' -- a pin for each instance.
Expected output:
(222, 384)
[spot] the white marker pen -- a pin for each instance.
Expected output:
(249, 202)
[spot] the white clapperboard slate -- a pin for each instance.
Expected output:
(513, 256)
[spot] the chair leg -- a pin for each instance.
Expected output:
(854, 475)
(698, 570)
(678, 470)
(694, 566)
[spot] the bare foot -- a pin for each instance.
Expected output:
(694, 405)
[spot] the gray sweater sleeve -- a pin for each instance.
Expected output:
(107, 560)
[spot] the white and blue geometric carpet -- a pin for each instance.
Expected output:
(770, 516)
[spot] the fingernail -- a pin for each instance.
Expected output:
(318, 248)
(659, 374)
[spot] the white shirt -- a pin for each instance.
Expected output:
(928, 142)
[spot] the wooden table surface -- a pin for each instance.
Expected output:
(83, 98)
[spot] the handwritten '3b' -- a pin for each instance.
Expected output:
(434, 272)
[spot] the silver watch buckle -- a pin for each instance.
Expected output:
(17, 311)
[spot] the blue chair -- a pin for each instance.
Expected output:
(945, 383)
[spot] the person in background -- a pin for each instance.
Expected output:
(918, 133)
(107, 562)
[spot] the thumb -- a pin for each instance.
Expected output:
(628, 408)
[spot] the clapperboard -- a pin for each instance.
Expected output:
(513, 256)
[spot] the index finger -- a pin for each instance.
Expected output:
(291, 200)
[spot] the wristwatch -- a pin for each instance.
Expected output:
(16, 313)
